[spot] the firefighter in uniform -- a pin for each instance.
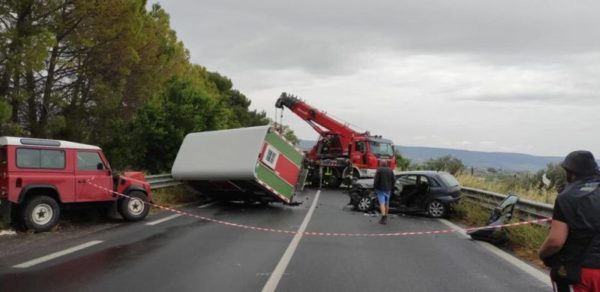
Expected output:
(572, 247)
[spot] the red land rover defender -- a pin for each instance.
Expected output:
(39, 176)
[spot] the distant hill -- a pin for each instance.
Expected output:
(477, 159)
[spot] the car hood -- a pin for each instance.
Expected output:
(366, 183)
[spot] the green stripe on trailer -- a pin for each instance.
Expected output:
(286, 149)
(276, 183)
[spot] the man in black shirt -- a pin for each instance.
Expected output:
(383, 185)
(572, 247)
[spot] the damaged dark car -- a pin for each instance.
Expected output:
(428, 192)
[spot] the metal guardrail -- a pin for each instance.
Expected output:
(483, 198)
(490, 200)
(159, 181)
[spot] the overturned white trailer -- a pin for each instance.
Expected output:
(250, 164)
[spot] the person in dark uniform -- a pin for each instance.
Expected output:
(383, 185)
(572, 247)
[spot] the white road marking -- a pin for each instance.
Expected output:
(544, 278)
(163, 220)
(49, 257)
(207, 205)
(7, 232)
(279, 271)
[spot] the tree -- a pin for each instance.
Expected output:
(111, 73)
(402, 162)
(446, 163)
(287, 132)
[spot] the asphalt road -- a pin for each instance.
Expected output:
(187, 254)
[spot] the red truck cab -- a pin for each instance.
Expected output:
(39, 176)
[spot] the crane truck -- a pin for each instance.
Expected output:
(340, 152)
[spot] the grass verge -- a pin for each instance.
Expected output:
(176, 195)
(534, 194)
(523, 241)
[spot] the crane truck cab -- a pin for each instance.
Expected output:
(39, 177)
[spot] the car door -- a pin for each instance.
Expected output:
(408, 185)
(90, 166)
(435, 188)
(358, 156)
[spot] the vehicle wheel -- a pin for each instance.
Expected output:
(364, 204)
(333, 181)
(134, 206)
(436, 209)
(41, 213)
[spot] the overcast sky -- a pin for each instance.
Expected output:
(504, 75)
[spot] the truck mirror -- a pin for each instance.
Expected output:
(100, 166)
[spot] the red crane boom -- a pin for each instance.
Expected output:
(341, 149)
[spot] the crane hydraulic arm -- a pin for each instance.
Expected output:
(319, 120)
(340, 151)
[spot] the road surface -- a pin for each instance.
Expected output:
(181, 253)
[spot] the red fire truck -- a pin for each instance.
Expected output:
(340, 151)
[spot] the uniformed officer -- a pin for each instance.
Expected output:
(572, 247)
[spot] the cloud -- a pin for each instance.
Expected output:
(324, 35)
(506, 75)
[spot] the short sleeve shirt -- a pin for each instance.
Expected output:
(579, 207)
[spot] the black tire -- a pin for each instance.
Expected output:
(333, 181)
(436, 209)
(134, 207)
(365, 204)
(40, 213)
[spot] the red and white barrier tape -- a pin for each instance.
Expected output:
(309, 233)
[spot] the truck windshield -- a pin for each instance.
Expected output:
(381, 149)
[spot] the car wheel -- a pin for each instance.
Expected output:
(436, 209)
(364, 204)
(134, 207)
(41, 213)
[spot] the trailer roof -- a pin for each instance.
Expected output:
(26, 141)
(220, 155)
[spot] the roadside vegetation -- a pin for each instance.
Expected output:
(542, 186)
(175, 195)
(110, 73)
(505, 186)
(523, 240)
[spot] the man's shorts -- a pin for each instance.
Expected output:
(383, 197)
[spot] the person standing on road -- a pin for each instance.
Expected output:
(572, 247)
(383, 185)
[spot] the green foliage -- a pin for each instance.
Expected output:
(287, 133)
(4, 111)
(471, 213)
(525, 240)
(402, 162)
(111, 73)
(447, 163)
(524, 184)
(176, 195)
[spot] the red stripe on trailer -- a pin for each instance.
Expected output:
(287, 170)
